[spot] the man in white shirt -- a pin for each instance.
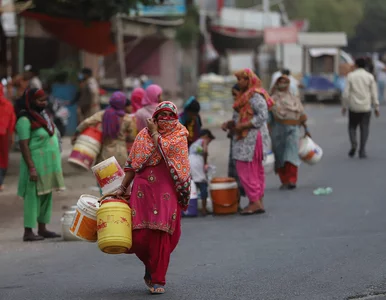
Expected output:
(359, 97)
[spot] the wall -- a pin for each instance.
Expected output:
(168, 79)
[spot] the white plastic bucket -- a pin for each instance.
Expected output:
(66, 221)
(109, 175)
(84, 225)
(269, 163)
(309, 152)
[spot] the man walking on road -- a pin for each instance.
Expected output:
(359, 97)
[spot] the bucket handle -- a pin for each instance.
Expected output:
(111, 195)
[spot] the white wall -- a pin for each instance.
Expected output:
(292, 57)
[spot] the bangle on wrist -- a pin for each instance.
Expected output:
(123, 188)
(154, 133)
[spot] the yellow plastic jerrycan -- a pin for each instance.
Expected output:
(114, 225)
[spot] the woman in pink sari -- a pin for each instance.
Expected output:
(250, 138)
(159, 165)
(153, 96)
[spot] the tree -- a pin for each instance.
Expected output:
(88, 10)
(370, 31)
(327, 15)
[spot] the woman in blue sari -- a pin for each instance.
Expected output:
(191, 119)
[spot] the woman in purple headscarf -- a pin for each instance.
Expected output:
(116, 127)
(153, 97)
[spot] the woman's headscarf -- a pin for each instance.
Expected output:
(136, 98)
(152, 95)
(110, 121)
(26, 107)
(287, 106)
(172, 147)
(242, 104)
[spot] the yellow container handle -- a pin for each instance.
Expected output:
(111, 195)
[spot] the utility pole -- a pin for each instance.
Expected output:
(120, 52)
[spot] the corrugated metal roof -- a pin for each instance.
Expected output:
(323, 39)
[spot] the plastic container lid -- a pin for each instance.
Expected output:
(223, 180)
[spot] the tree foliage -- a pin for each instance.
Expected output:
(88, 10)
(328, 15)
(370, 32)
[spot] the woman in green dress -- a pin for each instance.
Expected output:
(40, 168)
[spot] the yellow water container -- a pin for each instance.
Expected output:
(114, 225)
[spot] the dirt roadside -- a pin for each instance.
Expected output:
(77, 182)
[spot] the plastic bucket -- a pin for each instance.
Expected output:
(269, 163)
(309, 152)
(192, 210)
(224, 193)
(82, 156)
(84, 225)
(114, 226)
(87, 147)
(109, 175)
(66, 221)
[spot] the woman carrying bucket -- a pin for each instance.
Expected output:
(285, 120)
(40, 168)
(159, 165)
(116, 127)
(251, 138)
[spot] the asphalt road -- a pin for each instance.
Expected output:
(306, 247)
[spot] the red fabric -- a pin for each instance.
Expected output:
(93, 37)
(4, 151)
(136, 99)
(288, 174)
(36, 119)
(154, 247)
(153, 199)
(7, 114)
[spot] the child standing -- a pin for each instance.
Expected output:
(198, 157)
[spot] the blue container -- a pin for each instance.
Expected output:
(192, 210)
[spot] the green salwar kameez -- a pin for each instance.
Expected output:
(45, 154)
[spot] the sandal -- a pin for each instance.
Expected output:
(157, 290)
(147, 279)
(249, 212)
(32, 238)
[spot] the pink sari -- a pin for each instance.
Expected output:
(251, 174)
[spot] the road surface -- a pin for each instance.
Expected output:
(306, 247)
